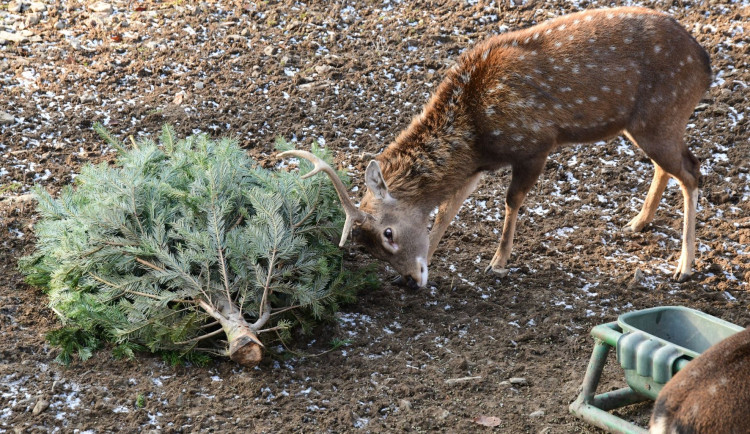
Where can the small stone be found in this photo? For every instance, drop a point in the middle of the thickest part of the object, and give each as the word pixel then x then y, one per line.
pixel 270 50
pixel 179 97
pixel 538 413
pixel 33 19
pixel 40 406
pixel 101 8
pixel 13 37
pixel 199 85
pixel 322 69
pixel 7 119
pixel 15 7
pixel 59 25
pixel 87 97
pixel 38 7
pixel 245 32
pixel 637 279
pixel 518 381
pixel 57 386
pixel 404 404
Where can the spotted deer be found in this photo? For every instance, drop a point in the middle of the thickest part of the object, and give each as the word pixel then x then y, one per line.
pixel 513 99
pixel 711 394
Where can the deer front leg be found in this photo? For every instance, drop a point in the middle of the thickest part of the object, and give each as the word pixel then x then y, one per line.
pixel 523 177
pixel 447 212
pixel 655 192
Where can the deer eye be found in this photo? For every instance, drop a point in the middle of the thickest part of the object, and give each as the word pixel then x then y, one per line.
pixel 388 234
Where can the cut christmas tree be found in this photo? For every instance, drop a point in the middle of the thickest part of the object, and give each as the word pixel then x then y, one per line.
pixel 189 247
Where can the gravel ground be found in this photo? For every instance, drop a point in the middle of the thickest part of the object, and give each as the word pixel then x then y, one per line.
pixel 351 76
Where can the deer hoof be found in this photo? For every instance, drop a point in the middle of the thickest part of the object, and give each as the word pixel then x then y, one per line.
pixel 500 272
pixel 681 276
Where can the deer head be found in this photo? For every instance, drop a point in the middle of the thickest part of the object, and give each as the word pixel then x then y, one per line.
pixel 387 228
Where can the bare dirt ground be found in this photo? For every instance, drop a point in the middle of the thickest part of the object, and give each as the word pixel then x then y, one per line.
pixel 351 75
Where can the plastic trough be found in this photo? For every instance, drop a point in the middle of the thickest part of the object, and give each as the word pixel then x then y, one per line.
pixel 651 346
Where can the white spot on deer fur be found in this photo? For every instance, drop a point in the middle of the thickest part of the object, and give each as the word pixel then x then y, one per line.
pixel 511 124
pixel 627 40
pixel 571 37
pixel 497 133
pixel 587 18
pixel 593 98
pixel 590 66
pixel 618 91
pixel 536 36
pixel 562 27
pixel 564 89
pixel 682 63
pixel 690 59
pixel 526 41
pixel 610 16
pixel 486 54
pixel 612 48
pixel 521 57
pixel 548 31
pixel 533 53
pixel 558 44
pixel 579 101
pixel 592 40
pixel 558 106
pixel 657 48
pixel 576 22
pixel 489 111
pixel 575 70
pixel 605 88
pixel 517 137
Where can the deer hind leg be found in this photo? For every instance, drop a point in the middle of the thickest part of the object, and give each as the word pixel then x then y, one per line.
pixel 670 155
pixel 448 210
pixel 523 177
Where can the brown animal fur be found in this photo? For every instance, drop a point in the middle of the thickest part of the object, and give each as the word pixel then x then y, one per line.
pixel 711 394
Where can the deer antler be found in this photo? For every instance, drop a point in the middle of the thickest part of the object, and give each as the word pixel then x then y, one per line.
pixel 353 214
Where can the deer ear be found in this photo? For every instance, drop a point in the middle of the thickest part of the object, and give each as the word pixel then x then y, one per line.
pixel 375 182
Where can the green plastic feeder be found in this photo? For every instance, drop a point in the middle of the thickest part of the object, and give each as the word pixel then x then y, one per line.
pixel 651 346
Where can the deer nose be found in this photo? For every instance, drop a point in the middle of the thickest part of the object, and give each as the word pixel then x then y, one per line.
pixel 411 283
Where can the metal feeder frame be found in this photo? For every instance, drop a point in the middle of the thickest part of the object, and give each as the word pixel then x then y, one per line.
pixel 651 345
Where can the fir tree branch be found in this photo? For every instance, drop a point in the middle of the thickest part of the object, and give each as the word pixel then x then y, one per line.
pixel 222 262
pixel 272 329
pixel 142 294
pixel 201 337
pixel 312 210
pixel 284 309
pixel 148 264
pixel 267 287
pixel 135 212
pixel 236 223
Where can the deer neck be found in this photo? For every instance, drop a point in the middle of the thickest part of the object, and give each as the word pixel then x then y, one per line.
pixel 427 163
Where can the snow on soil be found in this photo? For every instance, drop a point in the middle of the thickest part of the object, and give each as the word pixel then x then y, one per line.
pixel 40 126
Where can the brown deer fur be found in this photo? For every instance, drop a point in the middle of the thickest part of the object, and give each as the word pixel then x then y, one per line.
pixel 516 97
pixel 711 394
